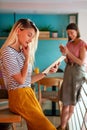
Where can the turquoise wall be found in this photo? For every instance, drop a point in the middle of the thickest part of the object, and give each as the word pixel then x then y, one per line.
pixel 6 20
pixel 58 22
pixel 48 50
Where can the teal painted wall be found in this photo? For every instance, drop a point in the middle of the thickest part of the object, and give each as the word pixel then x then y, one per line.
pixel 48 50
pixel 6 20
pixel 58 22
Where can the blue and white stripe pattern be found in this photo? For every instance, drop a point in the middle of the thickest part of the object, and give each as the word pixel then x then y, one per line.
pixel 11 63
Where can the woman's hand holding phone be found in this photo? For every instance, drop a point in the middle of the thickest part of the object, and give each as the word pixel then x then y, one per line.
pixel 63 49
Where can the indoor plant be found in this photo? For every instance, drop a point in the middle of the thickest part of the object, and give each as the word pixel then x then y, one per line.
pixel 54 33
pixel 45 31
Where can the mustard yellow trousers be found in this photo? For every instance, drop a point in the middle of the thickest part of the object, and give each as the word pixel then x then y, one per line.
pixel 24 102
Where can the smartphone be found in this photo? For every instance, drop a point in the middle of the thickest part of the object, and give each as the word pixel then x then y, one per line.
pixel 61 46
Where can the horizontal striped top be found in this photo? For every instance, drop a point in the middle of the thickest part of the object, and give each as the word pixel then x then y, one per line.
pixel 11 63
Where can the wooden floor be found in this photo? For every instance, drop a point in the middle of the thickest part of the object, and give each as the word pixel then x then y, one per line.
pixel 54 119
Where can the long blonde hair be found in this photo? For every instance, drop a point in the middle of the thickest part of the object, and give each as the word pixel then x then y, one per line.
pixel 12 38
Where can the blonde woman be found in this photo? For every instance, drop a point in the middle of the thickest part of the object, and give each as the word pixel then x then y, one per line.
pixel 17 58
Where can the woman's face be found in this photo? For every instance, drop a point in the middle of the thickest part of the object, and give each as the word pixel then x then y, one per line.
pixel 72 34
pixel 25 36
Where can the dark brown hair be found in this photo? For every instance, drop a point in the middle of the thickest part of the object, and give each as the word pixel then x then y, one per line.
pixel 73 26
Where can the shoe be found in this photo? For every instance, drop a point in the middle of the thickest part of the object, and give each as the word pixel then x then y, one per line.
pixel 59 128
pixel 67 127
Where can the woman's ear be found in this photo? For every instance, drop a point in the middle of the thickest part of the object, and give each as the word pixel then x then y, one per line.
pixel 18 30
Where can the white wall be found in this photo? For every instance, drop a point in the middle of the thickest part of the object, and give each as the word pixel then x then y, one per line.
pixel 82 23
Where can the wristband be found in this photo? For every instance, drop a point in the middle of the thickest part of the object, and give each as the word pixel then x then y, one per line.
pixel 45 74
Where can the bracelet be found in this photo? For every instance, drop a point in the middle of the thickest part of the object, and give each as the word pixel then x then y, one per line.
pixel 45 74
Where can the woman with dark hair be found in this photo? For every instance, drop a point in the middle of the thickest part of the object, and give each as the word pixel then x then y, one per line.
pixel 16 60
pixel 74 74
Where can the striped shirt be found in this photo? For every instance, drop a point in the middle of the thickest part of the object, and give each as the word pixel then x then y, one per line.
pixel 11 63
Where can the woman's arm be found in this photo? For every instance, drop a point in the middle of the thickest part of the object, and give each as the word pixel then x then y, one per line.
pixel 37 77
pixel 81 58
pixel 20 77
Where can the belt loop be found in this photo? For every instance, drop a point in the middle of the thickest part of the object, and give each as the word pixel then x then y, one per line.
pixel 71 64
